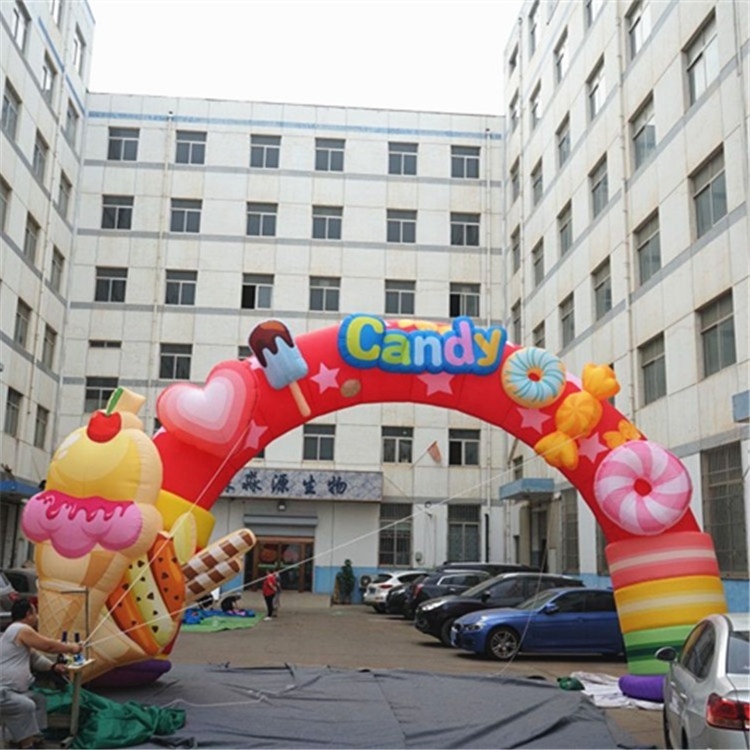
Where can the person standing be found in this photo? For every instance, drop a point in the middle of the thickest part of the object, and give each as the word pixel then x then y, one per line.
pixel 24 711
pixel 277 595
pixel 269 589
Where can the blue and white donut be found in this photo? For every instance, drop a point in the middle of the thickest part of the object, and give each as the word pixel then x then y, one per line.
pixel 532 377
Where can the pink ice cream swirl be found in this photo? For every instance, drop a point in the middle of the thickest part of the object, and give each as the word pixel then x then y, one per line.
pixel 75 525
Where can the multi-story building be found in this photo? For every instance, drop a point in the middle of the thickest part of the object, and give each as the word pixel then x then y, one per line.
pixel 605 219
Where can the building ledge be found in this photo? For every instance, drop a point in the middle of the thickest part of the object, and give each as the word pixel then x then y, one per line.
pixel 528 488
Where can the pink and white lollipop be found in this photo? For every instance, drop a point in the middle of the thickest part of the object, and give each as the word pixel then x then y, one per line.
pixel 642 488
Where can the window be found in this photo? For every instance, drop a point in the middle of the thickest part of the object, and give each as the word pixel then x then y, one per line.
pixel 40 427
pixel 599 187
pixel 19 25
pixel 601 281
pixel 561 57
pixel 653 369
pixel 724 514
pixel 567 321
pixel 513 60
pixel 643 133
pixel 79 51
pixel 570 562
pixel 117 211
pixel 463 447
pixel 48 346
pixel 464 229
pixel 515 112
pixel 174 361
pixel 517 468
pixel 261 219
pixel 639 26
pixel 402 158
pixel 515 180
pixel 110 284
pixel 329 154
pixel 191 147
pixel 327 222
pixel 49 77
pixel 185 216
pixel 56 271
pixel 702 59
pixel 463 532
pixel 533 27
pixel 30 238
pixel 244 352
pixel 97 393
pixel 55 10
pixel 648 248
pixel 265 151
pixel 515 249
pixel 401 226
pixel 23 321
pixel 12 412
pixel 324 293
pixel 63 195
pixel 465 162
pixel 180 287
pixel 515 322
pixel 537 262
pixel 591 10
pixel 5 192
pixel 535 106
pixel 709 194
pixel 539 336
pixel 596 90
pixel 717 334
pixel 537 183
pixel 317 442
pixel 399 297
pixel 39 157
pixel 257 291
pixel 565 229
pixel 123 144
pixel 464 300
pixel 397 444
pixel 104 344
pixel 11 109
pixel 72 118
pixel 602 567
pixel 394 538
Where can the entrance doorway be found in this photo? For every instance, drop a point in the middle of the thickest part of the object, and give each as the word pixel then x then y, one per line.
pixel 292 556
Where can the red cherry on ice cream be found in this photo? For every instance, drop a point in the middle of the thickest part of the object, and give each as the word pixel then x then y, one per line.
pixel 103 427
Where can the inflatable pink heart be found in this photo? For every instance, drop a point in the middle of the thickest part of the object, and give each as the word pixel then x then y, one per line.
pixel 213 417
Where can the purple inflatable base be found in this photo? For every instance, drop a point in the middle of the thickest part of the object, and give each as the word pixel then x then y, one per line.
pixel 133 675
pixel 643 687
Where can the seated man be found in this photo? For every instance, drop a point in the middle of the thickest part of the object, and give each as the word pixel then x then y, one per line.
pixel 22 710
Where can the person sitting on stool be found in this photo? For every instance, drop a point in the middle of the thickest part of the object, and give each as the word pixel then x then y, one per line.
pixel 24 711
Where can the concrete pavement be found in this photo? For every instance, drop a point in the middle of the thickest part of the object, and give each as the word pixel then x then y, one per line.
pixel 311 632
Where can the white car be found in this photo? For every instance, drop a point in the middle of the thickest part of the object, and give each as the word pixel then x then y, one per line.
pixel 382 583
pixel 707 689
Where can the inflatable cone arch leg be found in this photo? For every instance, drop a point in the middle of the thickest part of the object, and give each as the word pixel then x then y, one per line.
pixel 662 588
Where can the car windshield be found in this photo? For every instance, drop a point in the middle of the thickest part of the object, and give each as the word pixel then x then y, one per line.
pixel 738 652
pixel 538 600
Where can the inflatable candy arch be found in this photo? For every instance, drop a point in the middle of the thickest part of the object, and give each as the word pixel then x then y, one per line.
pixel 664 569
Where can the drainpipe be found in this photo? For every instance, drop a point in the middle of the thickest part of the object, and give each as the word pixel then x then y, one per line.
pixel 489 215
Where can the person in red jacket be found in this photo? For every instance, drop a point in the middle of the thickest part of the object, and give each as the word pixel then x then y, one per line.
pixel 270 587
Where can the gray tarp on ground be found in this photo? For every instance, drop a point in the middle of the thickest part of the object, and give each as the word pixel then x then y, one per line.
pixel 319 707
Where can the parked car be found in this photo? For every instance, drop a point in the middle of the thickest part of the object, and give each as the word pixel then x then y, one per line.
pixel 7 593
pixel 570 620
pixel 382 583
pixel 494 569
pixel 444 583
pixel 436 617
pixel 395 599
pixel 707 689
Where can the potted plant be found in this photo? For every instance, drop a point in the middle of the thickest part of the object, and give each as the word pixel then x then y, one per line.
pixel 345 582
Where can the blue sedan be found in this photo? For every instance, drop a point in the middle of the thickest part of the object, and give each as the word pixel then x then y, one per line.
pixel 562 620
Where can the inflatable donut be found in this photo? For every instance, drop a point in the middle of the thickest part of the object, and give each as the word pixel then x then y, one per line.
pixel 532 377
pixel 643 488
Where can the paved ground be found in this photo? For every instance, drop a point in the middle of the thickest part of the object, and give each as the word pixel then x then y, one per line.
pixel 311 632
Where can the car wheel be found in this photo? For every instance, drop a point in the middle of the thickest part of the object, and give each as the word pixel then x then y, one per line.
pixel 665 724
pixel 445 632
pixel 379 608
pixel 503 643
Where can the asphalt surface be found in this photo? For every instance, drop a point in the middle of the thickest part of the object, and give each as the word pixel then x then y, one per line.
pixel 311 632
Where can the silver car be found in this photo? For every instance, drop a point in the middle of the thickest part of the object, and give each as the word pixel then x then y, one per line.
pixel 707 689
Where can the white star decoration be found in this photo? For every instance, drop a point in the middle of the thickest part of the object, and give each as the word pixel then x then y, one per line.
pixel 254 434
pixel 326 378
pixel 437 383
pixel 533 418
pixel 591 447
